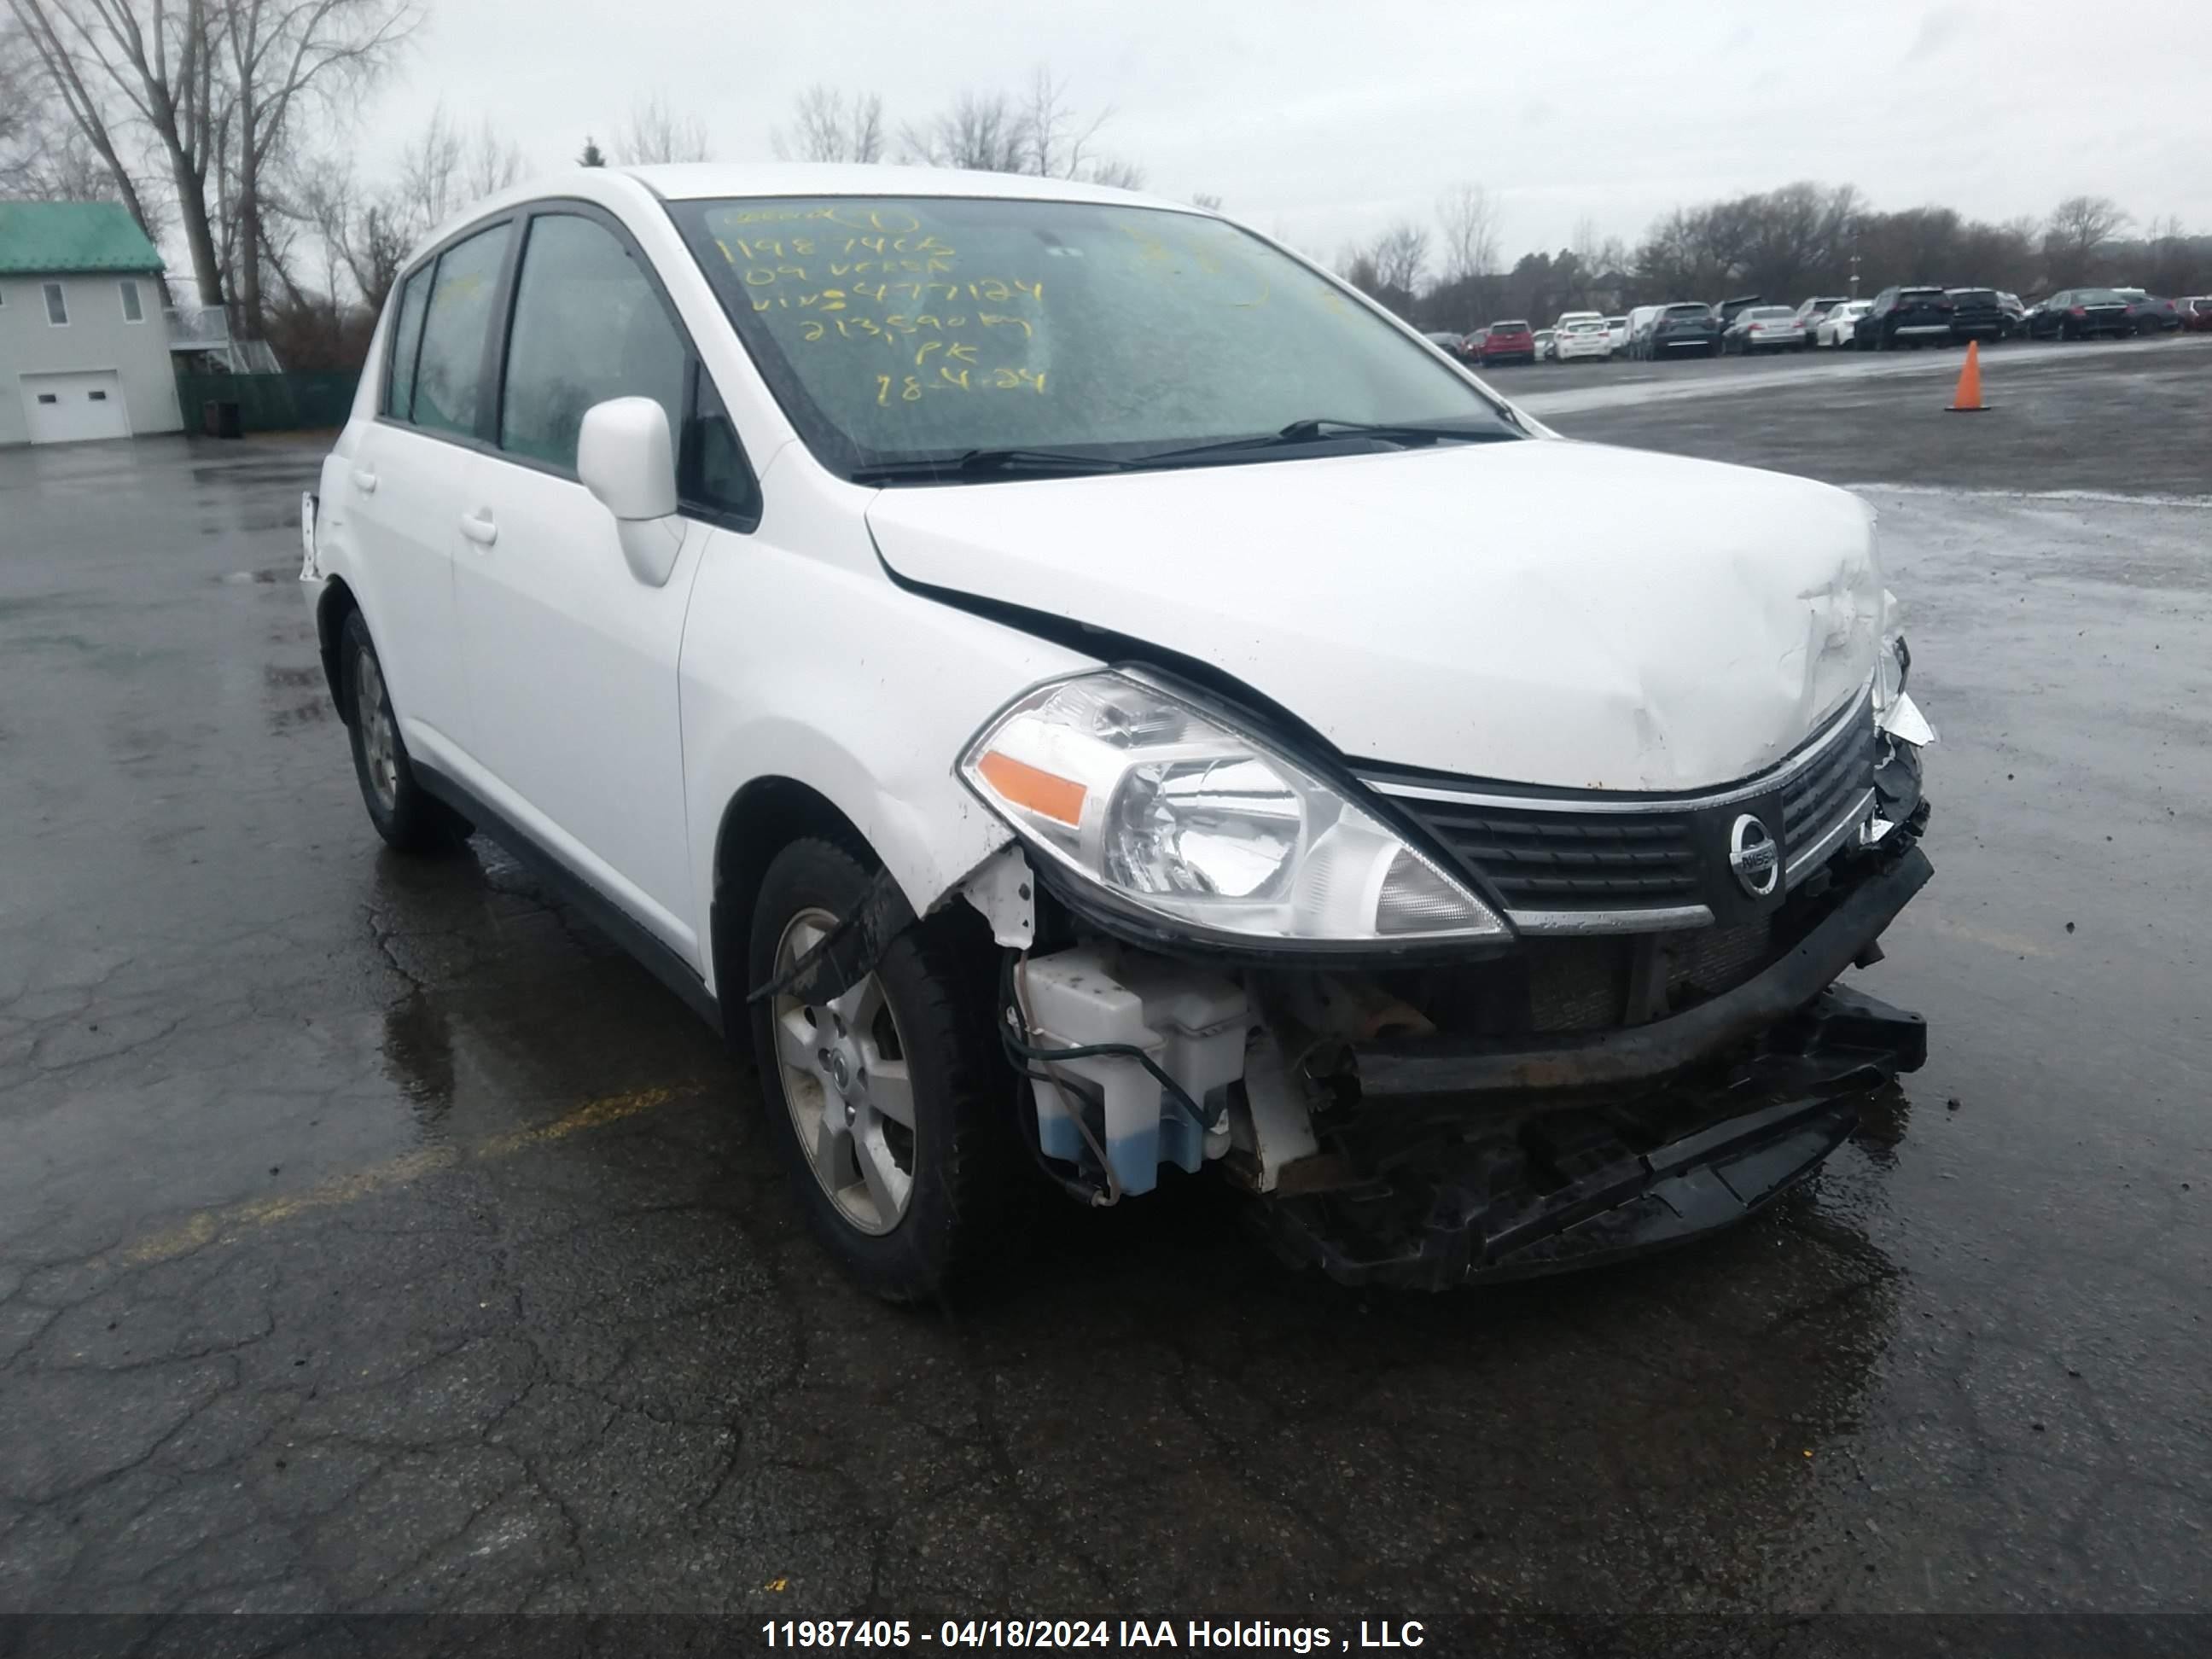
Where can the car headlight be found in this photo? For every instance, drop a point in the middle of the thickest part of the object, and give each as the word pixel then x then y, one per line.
pixel 1172 812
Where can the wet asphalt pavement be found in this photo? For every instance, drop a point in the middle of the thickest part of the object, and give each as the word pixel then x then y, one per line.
pixel 375 1236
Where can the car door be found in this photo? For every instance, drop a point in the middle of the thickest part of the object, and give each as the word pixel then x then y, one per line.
pixel 404 481
pixel 572 659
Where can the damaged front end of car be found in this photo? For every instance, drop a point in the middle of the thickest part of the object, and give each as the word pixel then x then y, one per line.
pixel 1442 1030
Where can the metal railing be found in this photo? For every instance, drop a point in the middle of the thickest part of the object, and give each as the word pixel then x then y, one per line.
pixel 197 328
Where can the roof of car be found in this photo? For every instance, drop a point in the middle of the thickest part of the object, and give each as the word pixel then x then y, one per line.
pixel 695 180
pixel 60 237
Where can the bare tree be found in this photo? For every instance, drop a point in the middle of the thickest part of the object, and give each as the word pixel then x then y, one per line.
pixel 656 134
pixel 824 127
pixel 1402 257
pixel 1470 220
pixel 2077 227
pixel 95 58
pixel 1041 133
pixel 428 191
pixel 1059 138
pixel 1115 171
pixel 1207 199
pixel 44 154
pixel 489 163
pixel 284 56
pixel 982 132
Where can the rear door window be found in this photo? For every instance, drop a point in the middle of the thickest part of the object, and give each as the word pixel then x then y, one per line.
pixel 449 389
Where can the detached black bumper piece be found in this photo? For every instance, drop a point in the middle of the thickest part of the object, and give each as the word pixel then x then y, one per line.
pixel 1664 1131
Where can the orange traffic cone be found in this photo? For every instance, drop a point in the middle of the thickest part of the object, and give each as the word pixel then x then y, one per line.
pixel 1967 399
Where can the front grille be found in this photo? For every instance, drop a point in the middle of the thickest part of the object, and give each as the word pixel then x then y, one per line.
pixel 1596 863
pixel 1547 860
pixel 1813 799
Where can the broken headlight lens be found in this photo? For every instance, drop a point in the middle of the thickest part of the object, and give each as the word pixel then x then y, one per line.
pixel 1175 812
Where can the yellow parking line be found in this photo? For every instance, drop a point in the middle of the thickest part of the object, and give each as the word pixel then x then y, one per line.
pixel 204 1227
pixel 1995 938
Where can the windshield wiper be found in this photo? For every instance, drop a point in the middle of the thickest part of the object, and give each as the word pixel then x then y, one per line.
pixel 987 462
pixel 1321 429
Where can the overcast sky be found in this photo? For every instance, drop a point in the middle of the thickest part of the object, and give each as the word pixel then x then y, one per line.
pixel 1326 121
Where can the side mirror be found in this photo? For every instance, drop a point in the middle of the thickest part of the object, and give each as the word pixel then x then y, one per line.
pixel 625 457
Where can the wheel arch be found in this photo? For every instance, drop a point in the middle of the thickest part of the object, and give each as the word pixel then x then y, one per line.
pixel 332 610
pixel 763 818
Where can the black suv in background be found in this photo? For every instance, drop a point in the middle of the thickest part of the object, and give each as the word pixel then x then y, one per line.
pixel 1685 327
pixel 1905 317
pixel 2082 314
pixel 1978 313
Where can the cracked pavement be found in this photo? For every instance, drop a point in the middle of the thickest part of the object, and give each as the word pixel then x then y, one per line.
pixel 375 1237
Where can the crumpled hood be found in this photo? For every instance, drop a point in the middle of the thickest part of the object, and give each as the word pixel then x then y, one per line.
pixel 1542 611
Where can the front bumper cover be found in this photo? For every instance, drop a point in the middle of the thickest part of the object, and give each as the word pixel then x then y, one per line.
pixel 1673 1142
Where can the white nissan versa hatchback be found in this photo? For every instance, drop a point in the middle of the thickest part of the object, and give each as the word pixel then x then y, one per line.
pixel 1015 655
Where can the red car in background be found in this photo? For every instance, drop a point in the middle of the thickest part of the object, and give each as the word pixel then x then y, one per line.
pixel 2196 314
pixel 1505 343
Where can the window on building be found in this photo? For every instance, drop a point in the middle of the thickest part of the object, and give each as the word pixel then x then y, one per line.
pixel 133 309
pixel 56 305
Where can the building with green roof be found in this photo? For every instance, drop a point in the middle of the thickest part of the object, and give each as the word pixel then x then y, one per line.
pixel 84 347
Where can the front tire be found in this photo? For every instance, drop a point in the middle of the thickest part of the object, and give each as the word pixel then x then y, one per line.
pixel 407 817
pixel 891 1106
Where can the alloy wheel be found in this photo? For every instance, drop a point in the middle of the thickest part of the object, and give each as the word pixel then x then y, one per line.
pixel 847 1085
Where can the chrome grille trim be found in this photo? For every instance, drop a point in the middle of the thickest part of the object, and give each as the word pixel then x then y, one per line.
pixel 1860 707
pixel 1832 837
pixel 1576 923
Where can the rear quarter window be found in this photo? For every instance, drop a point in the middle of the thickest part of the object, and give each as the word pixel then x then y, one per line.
pixel 406 337
pixel 449 390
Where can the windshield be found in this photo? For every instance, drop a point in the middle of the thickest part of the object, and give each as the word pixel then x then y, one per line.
pixel 1770 313
pixel 924 328
pixel 1591 327
pixel 1689 311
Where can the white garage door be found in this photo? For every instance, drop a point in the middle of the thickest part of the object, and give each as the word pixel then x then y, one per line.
pixel 65 408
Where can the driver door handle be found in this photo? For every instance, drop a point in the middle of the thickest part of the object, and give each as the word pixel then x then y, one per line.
pixel 479 528
pixel 364 481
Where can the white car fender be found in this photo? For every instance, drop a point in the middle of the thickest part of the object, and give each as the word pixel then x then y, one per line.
pixel 815 666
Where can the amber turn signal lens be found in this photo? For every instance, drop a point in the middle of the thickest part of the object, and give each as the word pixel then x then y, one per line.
pixel 1046 794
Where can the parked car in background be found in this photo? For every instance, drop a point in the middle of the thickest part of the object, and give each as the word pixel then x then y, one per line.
pixel 1905 317
pixel 1640 320
pixel 1508 342
pixel 1763 328
pixel 2015 313
pixel 1810 312
pixel 2196 312
pixel 1726 311
pixel 1616 330
pixel 1978 313
pixel 925 758
pixel 1585 337
pixel 1544 337
pixel 2082 314
pixel 2149 313
pixel 1685 328
pixel 1837 324
pixel 1560 323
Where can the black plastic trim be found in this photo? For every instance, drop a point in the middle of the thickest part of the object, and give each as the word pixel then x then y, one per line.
pixel 1649 1054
